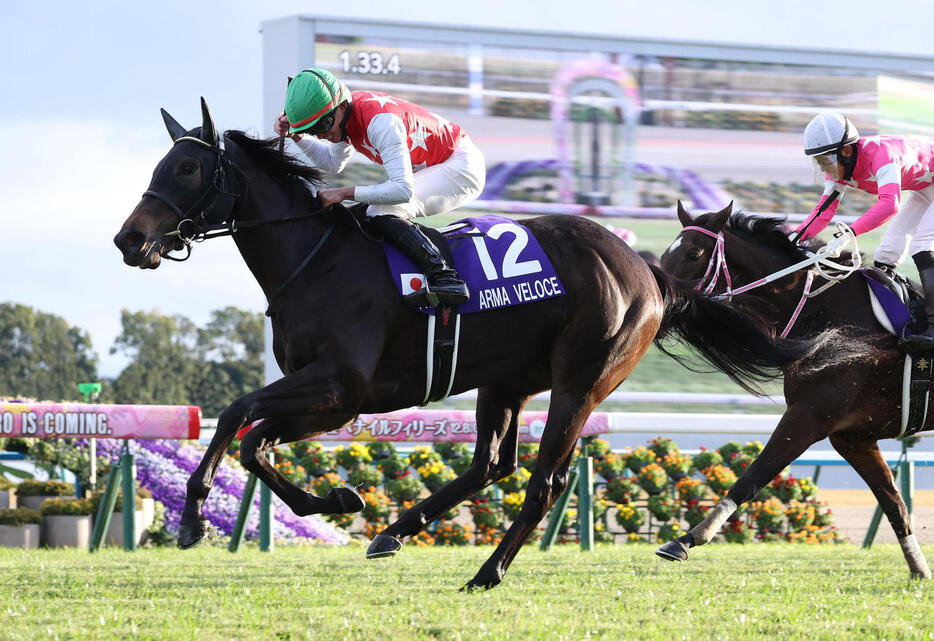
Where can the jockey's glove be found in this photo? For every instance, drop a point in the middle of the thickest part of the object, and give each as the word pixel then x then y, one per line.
pixel 836 245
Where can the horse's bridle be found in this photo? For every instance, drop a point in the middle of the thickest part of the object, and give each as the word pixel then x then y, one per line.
pixel 816 262
pixel 192 223
pixel 193 226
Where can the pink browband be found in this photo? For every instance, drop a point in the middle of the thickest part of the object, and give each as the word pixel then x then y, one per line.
pixel 717 264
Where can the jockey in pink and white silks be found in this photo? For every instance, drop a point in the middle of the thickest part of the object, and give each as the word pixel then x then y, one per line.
pixel 887 166
pixel 431 164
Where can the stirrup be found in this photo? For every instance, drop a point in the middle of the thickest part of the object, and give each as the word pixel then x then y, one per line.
pixel 423 297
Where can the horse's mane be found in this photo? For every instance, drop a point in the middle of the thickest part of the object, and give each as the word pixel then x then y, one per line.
pixel 768 232
pixel 282 167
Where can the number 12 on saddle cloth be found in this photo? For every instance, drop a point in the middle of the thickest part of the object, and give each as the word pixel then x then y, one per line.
pixel 501 262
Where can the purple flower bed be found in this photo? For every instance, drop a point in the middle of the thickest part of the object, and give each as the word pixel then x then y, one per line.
pixel 163 468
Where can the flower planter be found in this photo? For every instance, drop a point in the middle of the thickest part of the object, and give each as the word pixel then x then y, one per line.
pixel 19 536
pixel 33 502
pixel 7 499
pixel 114 535
pixel 61 531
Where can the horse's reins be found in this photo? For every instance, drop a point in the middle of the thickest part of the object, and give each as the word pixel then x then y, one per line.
pixel 193 229
pixel 816 261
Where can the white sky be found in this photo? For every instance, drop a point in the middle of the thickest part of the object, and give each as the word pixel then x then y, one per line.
pixel 80 132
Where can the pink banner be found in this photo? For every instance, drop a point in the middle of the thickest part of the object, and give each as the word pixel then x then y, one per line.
pixel 443 425
pixel 79 420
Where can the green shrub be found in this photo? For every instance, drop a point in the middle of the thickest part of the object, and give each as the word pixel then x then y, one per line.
pixel 4 483
pixel 52 487
pixel 66 507
pixel 98 496
pixel 20 516
pixel 19 444
pixel 404 488
pixel 450 450
pixel 365 475
pixel 393 466
pixel 381 449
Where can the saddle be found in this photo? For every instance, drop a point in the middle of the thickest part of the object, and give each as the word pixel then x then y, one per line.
pixel 899 307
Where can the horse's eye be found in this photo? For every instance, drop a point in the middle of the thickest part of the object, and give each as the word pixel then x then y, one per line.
pixel 695 253
pixel 187 168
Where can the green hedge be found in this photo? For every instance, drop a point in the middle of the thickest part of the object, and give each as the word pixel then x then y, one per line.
pixel 20 516
pixel 66 507
pixel 31 487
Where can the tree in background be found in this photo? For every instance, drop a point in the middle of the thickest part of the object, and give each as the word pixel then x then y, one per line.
pixel 41 356
pixel 173 362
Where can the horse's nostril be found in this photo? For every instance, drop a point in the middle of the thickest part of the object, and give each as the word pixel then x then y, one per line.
pixel 129 241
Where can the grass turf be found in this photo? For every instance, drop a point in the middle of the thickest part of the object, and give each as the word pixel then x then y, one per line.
pixel 763 591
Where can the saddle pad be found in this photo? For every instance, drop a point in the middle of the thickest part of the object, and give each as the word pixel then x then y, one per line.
pixel 501 262
pixel 894 309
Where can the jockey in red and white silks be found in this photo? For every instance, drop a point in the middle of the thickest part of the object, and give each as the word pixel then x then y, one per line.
pixel 432 165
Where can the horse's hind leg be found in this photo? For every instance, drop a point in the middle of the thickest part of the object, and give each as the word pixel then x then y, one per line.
pixel 796 431
pixel 494 458
pixel 566 416
pixel 865 457
pixel 272 432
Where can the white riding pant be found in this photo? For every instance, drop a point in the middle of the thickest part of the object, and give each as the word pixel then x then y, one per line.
pixel 911 230
pixel 443 187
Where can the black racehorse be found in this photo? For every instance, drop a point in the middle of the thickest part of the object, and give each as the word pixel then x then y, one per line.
pixel 348 345
pixel 849 390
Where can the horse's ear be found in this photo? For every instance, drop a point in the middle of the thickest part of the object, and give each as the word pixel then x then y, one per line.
pixel 719 219
pixel 176 131
pixel 208 132
pixel 684 216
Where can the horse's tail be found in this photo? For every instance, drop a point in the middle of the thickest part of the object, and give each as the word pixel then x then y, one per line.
pixel 741 344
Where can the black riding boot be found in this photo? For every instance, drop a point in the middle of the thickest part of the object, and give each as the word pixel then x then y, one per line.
pixel 444 286
pixel 925 339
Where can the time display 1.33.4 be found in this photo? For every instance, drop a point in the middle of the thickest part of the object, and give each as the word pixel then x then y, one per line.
pixel 369 62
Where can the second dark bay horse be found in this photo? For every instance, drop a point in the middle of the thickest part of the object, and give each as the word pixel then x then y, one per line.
pixel 849 389
pixel 348 345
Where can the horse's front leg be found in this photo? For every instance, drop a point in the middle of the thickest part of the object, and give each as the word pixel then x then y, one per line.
pixel 309 391
pixel 273 431
pixel 797 430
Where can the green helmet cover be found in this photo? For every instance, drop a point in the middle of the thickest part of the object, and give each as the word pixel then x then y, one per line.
pixel 312 94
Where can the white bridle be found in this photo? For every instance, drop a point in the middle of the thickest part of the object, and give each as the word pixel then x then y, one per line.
pixel 816 261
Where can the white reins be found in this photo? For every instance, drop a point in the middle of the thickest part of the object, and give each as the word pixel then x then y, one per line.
pixel 816 261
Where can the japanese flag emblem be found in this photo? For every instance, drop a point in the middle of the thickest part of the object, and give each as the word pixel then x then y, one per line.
pixel 412 282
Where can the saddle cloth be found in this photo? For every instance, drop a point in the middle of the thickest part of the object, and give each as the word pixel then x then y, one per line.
pixel 896 309
pixel 501 262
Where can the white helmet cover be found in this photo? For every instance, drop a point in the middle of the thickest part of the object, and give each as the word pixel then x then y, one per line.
pixel 828 132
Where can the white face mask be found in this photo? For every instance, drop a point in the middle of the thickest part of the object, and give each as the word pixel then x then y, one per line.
pixel 826 165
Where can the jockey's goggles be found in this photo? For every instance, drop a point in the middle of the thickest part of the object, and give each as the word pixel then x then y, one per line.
pixel 826 165
pixel 323 124
pixel 826 161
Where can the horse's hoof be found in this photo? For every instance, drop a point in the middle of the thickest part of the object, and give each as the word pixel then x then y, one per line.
pixel 191 534
pixel 673 551
pixel 383 545
pixel 477 584
pixel 347 498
